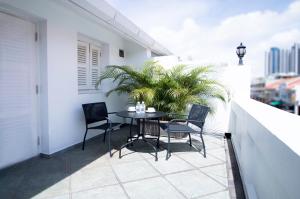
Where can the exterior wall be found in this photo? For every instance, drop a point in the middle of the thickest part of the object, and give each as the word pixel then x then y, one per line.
pixel 235 78
pixel 136 55
pixel 266 144
pixel 62 120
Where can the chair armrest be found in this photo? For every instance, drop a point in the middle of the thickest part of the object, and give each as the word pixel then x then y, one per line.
pixel 177 114
pixel 109 122
pixel 178 120
pixel 196 121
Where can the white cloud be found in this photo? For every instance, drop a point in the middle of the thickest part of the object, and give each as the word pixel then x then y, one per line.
pixel 259 31
pixel 166 13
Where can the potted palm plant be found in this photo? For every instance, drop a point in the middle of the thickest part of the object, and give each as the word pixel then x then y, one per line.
pixel 169 91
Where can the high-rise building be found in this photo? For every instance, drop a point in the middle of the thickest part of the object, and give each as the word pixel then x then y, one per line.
pixel 295 58
pixel 267 72
pixel 274 60
pixel 282 61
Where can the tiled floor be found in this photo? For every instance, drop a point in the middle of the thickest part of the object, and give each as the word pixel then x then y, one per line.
pixel 93 174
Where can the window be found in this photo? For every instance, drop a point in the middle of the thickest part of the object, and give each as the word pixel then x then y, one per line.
pixel 88 60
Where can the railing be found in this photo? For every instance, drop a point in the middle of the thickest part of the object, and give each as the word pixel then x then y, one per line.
pixel 266 142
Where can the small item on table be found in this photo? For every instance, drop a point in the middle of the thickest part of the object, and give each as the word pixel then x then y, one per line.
pixel 138 107
pixel 131 109
pixel 150 110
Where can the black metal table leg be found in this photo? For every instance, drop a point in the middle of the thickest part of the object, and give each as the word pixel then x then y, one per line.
pixel 141 133
pixel 145 140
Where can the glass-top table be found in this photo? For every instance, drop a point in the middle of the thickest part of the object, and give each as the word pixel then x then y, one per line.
pixel 141 117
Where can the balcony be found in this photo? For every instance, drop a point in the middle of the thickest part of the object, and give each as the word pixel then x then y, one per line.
pixel 91 173
pixel 264 142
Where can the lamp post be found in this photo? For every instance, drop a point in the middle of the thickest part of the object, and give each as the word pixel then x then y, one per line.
pixel 241 51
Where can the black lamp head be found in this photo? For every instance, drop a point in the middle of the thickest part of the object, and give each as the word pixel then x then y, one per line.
pixel 241 51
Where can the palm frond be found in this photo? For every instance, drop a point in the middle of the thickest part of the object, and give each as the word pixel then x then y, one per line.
pixel 167 90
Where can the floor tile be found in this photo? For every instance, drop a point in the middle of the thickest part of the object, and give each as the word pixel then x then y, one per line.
pixel 153 188
pixel 92 173
pixel 79 158
pixel 215 140
pixel 134 170
pixel 183 147
pixel 212 145
pixel 65 196
pixel 194 183
pixel 57 190
pixel 47 176
pixel 218 172
pixel 107 192
pixel 92 177
pixel 173 164
pixel 11 177
pixel 128 155
pixel 218 153
pixel 197 159
pixel 220 195
pixel 161 155
pixel 99 162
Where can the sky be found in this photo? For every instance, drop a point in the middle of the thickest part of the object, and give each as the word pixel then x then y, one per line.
pixel 209 31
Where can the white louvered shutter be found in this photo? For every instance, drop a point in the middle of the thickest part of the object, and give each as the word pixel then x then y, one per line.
pixel 83 65
pixel 94 65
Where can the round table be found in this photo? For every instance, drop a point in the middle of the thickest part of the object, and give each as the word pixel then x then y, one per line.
pixel 134 115
pixel 140 117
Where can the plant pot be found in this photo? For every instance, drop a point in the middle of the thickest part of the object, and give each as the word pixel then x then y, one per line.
pixel 152 129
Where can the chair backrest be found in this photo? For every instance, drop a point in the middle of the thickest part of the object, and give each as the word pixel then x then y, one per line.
pixel 199 113
pixel 94 112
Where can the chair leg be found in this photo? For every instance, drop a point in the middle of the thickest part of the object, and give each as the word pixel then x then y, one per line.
pixel 168 148
pixel 130 129
pixel 109 144
pixel 158 136
pixel 104 135
pixel 204 150
pixel 130 132
pixel 83 143
pixel 190 139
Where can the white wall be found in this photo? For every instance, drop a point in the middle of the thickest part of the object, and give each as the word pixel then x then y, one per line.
pixel 61 112
pixel 266 144
pixel 167 61
pixel 236 80
pixel 136 55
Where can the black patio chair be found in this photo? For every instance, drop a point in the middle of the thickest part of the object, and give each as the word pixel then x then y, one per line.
pixel 196 117
pixel 97 112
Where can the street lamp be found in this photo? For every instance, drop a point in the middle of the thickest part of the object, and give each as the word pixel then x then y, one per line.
pixel 241 51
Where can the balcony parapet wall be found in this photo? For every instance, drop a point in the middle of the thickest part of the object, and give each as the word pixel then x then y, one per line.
pixel 266 141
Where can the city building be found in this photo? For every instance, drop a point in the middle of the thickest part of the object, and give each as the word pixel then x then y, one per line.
pixel 282 61
pixel 275 59
pixel 278 90
pixel 258 89
pixel 295 58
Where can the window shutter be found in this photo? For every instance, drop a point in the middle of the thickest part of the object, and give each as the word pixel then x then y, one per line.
pixel 94 65
pixel 83 64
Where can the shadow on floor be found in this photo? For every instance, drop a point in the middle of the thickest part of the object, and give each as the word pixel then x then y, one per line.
pixel 31 177
pixel 28 178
